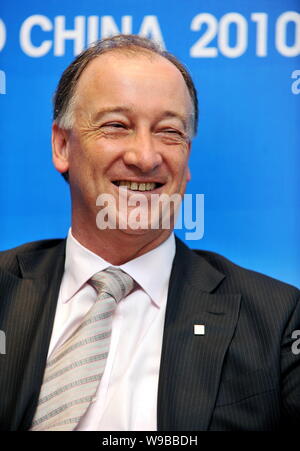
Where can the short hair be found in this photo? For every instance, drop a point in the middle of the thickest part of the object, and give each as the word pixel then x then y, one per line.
pixel 64 97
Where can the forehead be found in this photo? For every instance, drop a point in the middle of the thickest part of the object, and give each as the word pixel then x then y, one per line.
pixel 141 78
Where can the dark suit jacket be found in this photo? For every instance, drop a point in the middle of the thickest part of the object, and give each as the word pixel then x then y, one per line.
pixel 240 375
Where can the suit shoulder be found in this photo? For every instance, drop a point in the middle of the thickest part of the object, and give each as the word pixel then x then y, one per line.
pixel 242 278
pixel 8 257
pixel 33 246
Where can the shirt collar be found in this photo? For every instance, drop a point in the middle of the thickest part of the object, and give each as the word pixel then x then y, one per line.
pixel 152 270
pixel 81 264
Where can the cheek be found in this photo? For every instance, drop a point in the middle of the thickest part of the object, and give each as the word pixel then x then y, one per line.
pixel 81 167
pixel 179 163
pixel 82 155
pixel 182 173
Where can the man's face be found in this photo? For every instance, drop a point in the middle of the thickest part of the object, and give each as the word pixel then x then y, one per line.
pixel 132 126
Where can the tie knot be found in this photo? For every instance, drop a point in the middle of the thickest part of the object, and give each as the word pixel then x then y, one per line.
pixel 114 282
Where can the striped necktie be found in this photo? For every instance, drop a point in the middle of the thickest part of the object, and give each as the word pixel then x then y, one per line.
pixel 75 368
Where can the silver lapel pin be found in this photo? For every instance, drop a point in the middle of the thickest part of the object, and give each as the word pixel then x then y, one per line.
pixel 199 329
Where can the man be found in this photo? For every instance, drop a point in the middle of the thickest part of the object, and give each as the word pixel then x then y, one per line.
pixel 197 343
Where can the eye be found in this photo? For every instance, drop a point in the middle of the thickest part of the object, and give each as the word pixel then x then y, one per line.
pixel 114 125
pixel 171 131
pixel 115 129
pixel 171 136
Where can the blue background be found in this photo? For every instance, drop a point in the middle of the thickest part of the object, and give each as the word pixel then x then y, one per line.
pixel 245 158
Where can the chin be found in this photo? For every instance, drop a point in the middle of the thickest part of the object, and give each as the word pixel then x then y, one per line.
pixel 137 232
pixel 136 229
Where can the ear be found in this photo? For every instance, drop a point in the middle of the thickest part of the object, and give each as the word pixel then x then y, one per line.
pixel 60 148
pixel 188 172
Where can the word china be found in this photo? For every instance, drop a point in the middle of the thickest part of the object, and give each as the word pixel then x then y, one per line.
pixel 82 32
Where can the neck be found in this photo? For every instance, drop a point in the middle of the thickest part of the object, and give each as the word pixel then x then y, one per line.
pixel 118 246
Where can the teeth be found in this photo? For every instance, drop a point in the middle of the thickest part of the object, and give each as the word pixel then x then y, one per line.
pixel 134 186
pixel 124 184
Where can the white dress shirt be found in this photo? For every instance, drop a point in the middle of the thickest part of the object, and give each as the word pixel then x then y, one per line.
pixel 126 399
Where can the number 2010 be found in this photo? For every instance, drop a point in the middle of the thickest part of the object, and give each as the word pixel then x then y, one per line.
pixel 221 30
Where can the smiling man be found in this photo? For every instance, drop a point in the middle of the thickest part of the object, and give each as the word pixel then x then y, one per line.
pixel 125 328
pixel 132 123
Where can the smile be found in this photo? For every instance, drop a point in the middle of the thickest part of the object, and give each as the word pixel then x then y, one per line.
pixel 136 186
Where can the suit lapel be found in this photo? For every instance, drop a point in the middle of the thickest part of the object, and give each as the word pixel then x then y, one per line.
pixel 191 365
pixel 28 310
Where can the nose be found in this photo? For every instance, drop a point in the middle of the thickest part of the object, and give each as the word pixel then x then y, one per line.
pixel 143 152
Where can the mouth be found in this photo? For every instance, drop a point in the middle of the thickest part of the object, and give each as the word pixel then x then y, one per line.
pixel 138 186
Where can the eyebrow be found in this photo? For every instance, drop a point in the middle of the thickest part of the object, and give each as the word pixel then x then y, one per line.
pixel 118 109
pixel 172 114
pixel 123 109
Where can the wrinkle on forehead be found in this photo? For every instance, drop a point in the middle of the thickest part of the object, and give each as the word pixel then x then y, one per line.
pixel 108 67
